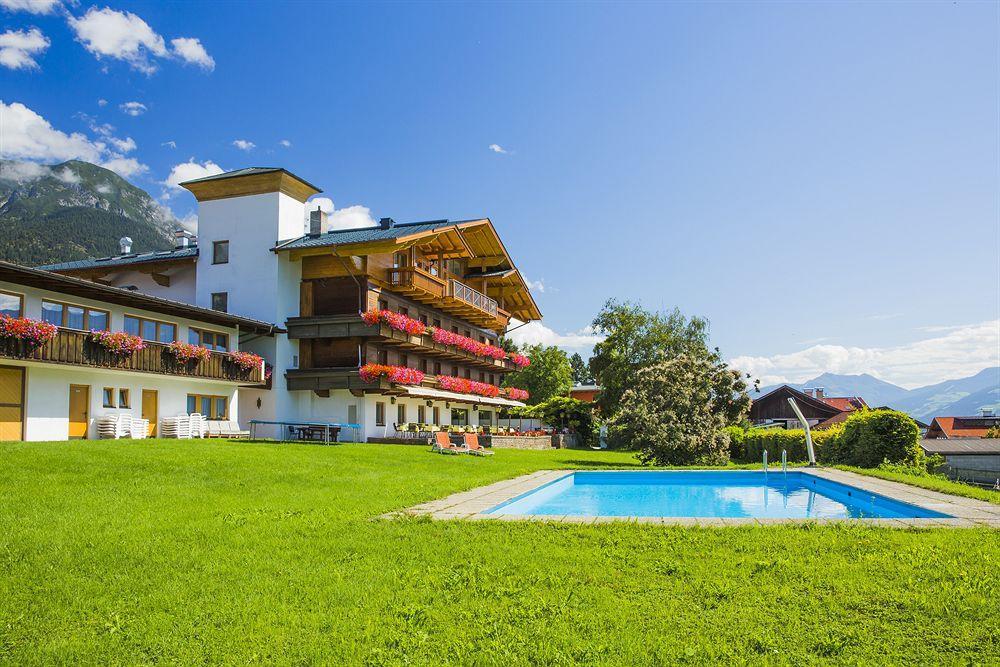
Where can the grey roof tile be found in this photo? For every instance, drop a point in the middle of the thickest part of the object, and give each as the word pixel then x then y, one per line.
pixel 366 234
pixel 123 260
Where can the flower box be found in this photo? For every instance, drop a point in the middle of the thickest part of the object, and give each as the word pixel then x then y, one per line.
pixel 118 343
pixel 31 333
pixel 186 353
pixel 395 374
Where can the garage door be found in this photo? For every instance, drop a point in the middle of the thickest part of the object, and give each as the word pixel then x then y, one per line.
pixel 11 403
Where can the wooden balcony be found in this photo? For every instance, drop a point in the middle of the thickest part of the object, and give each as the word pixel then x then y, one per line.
pixel 325 379
pixel 450 295
pixel 351 326
pixel 74 348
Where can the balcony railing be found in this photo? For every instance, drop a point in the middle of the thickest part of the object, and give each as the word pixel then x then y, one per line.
pixel 75 348
pixel 463 292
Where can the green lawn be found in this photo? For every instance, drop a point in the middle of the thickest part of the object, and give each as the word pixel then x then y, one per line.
pixel 192 552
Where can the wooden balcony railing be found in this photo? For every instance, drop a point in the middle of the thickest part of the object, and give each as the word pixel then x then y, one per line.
pixel 411 278
pixel 450 294
pixel 75 348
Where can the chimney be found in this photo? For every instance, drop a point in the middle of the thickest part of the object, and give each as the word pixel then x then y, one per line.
pixel 318 222
pixel 125 244
pixel 807 391
pixel 819 392
pixel 183 238
pixel 386 223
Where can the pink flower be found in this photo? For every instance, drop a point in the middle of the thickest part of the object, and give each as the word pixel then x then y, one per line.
pixel 464 386
pixel 520 360
pixel 248 361
pixel 395 374
pixel 32 332
pixel 185 352
pixel 517 394
pixel 119 342
pixel 397 321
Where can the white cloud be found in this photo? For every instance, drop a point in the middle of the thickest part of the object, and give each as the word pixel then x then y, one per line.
pixel 26 135
pixel 125 166
pixel 190 50
pixel 22 172
pixel 497 148
pixel 957 353
pixel 108 33
pixel 30 6
pixel 244 145
pixel 133 108
pixel 536 333
pixel 352 217
pixel 190 170
pixel 125 145
pixel 102 102
pixel 536 285
pixel 103 188
pixel 169 144
pixel 286 143
pixel 67 175
pixel 18 48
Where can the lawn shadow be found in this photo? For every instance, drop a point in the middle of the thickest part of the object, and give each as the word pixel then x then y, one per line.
pixel 590 463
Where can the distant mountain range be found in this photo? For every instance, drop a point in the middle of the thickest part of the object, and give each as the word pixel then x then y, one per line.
pixel 951 398
pixel 74 210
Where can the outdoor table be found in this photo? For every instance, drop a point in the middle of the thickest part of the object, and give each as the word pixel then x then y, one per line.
pixel 328 429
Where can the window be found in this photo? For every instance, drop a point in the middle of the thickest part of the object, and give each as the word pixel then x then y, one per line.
pixel 383 357
pixel 454 371
pixel 399 260
pixel 383 304
pixel 404 311
pixel 437 368
pixel 220 252
pixel 437 323
pixel 421 414
pixel 404 360
pixel 482 339
pixel 454 330
pixel 401 413
pixel 468 334
pixel 492 379
pixel 220 301
pixel 482 376
pixel 380 414
pixel 74 317
pixel 459 416
pixel 423 365
pixel 123 399
pixel 423 320
pixel 212 407
pixel 213 340
pixel 485 418
pixel 437 415
pixel 11 305
pixel 160 332
pixel 109 397
pixel 468 374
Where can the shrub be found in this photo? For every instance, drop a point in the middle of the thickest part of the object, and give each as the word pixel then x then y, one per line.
pixel 566 412
pixel 872 437
pixel 752 443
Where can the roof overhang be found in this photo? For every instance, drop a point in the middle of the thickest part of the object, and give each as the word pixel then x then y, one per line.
pixel 47 280
pixel 440 394
pixel 239 184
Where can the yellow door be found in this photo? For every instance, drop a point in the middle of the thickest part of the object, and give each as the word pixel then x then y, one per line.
pixel 11 403
pixel 149 400
pixel 79 410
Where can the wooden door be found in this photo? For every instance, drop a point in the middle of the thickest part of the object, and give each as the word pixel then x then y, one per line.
pixel 79 410
pixel 11 403
pixel 149 410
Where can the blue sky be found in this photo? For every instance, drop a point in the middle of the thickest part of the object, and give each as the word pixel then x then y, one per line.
pixel 819 180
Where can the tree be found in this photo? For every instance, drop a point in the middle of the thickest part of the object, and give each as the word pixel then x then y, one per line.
pixel 581 372
pixel 565 412
pixel 548 375
pixel 677 411
pixel 634 338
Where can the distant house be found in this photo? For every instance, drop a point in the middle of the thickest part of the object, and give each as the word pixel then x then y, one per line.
pixel 821 411
pixel 585 392
pixel 970 459
pixel 950 428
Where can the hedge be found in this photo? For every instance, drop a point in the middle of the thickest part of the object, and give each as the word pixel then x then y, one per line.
pixel 867 439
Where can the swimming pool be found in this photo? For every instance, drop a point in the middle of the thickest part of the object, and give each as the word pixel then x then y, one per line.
pixel 706 493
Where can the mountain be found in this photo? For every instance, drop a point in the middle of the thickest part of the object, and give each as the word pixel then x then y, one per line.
pixel 951 398
pixel 74 210
pixel 875 392
pixel 954 398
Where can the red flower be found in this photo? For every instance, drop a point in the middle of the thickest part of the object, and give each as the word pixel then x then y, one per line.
pixel 33 332
pixel 464 386
pixel 520 360
pixel 185 352
pixel 471 346
pixel 395 374
pixel 119 342
pixel 397 321
pixel 516 394
pixel 248 361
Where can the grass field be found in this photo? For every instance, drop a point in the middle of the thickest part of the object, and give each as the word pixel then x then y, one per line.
pixel 191 552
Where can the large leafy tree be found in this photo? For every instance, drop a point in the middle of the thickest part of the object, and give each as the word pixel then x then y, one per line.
pixel 548 375
pixel 634 339
pixel 676 410
pixel 581 372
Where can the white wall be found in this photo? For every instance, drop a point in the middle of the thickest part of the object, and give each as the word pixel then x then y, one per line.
pixel 47 396
pixel 182 283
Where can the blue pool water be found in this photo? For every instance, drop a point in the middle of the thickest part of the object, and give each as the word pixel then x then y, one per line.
pixel 706 493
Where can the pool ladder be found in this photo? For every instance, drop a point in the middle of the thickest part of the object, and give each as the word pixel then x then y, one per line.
pixel 784 461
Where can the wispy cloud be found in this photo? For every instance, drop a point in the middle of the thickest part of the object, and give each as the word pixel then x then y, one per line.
pixel 19 48
pixel 960 351
pixel 30 6
pixel 190 170
pixel 191 51
pixel 133 108
pixel 244 145
pixel 497 148
pixel 536 333
pixel 285 143
pixel 169 144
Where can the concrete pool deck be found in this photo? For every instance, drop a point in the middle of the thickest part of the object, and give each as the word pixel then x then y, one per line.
pixel 473 504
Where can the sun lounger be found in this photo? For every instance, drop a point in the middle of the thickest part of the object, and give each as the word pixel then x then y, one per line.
pixel 442 445
pixel 472 444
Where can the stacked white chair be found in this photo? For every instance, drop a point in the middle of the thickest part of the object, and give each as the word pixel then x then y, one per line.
pixel 178 426
pixel 140 429
pixel 114 426
pixel 197 425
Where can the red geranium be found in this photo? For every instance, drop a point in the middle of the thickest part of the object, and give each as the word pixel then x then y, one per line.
pixel 520 360
pixel 464 386
pixel 119 342
pixel 470 345
pixel 32 332
pixel 395 374
pixel 248 361
pixel 397 321
pixel 185 352
pixel 516 394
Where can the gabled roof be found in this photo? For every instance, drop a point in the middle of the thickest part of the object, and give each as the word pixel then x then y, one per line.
pixel 801 398
pixel 363 235
pixel 960 427
pixel 847 403
pixel 55 282
pixel 123 260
